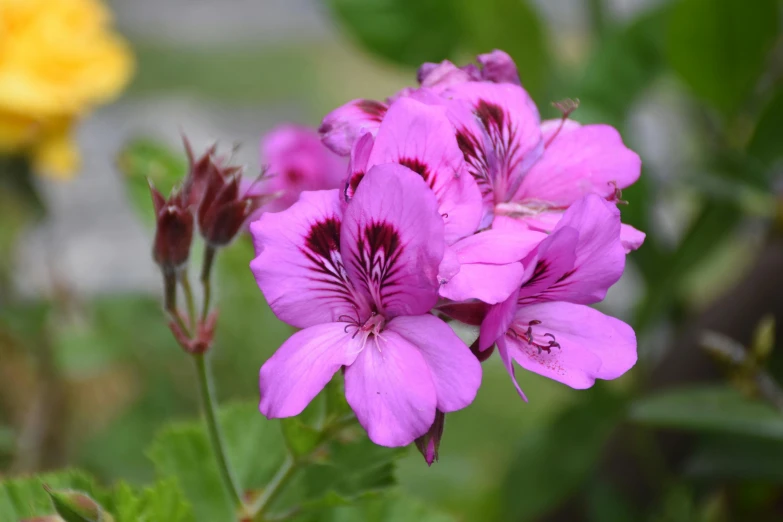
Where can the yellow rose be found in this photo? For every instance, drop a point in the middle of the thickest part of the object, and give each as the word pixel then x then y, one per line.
pixel 58 59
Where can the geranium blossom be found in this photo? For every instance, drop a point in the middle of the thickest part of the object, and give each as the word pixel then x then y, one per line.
pixel 361 279
pixel 526 170
pixel 546 326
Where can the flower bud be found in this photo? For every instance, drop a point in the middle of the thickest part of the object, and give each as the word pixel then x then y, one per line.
pixel 429 443
pixel 224 207
pixel 173 232
pixel 75 506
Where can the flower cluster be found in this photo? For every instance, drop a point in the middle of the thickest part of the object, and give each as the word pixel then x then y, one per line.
pixel 458 203
pixel 59 59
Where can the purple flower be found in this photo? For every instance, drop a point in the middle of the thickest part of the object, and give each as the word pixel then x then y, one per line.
pixel 546 326
pixel 420 137
pixel 360 279
pixel 296 161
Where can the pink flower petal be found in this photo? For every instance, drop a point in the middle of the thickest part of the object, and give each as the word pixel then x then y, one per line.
pixel 631 238
pixel 390 388
pixel 498 319
pixel 504 140
pixel 456 372
pixel 590 231
pixel 344 125
pixel 591 345
pixel 298 264
pixel 297 161
pixel 420 137
pixel 505 357
pixel 580 161
pixel 490 265
pixel 393 241
pixel 498 67
pixel 300 368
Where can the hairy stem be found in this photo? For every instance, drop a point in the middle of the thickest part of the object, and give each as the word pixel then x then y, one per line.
pixel 213 427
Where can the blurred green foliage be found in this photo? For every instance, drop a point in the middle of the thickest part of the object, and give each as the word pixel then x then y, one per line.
pixel 600 455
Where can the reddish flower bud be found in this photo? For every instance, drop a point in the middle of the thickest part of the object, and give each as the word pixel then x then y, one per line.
pixel 225 206
pixel 200 171
pixel 429 443
pixel 173 232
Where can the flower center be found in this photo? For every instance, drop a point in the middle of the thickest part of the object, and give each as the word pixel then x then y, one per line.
pixel 369 329
pixel 543 342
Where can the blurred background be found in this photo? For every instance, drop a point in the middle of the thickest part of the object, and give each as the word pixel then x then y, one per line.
pixel 89 371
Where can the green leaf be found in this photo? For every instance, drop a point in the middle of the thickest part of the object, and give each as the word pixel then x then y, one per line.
pixel 734 457
pixel 605 502
pixel 163 501
pixel 709 408
pixel 765 145
pixel 719 48
pixel 303 432
pixel 408 32
pixel 553 460
pixel 143 159
pixel 26 497
pixel 513 26
pixel 255 449
pixel 384 508
pixel 623 66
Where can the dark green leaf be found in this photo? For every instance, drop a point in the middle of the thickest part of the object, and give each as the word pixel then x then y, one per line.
pixel 733 457
pixel 766 144
pixel 513 26
pixel 720 48
pixel 408 32
pixel 384 508
pixel 143 159
pixel 303 432
pixel 607 503
pixel 709 408
pixel 552 461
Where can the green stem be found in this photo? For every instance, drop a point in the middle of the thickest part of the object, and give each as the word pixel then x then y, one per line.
pixel 215 435
pixel 170 301
pixel 191 303
pixel 274 488
pixel 206 281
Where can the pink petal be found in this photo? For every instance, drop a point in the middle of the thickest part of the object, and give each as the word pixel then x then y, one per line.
pixel 296 161
pixel 579 161
pixel 393 241
pixel 599 254
pixel 357 168
pixel 505 357
pixel 455 371
pixel 390 388
pixel 592 345
pixel 421 137
pixel 490 265
pixel 300 368
pixel 498 67
pixel 507 116
pixel 491 284
pixel 442 75
pixel 344 125
pixel 298 264
pixel 498 319
pixel 631 238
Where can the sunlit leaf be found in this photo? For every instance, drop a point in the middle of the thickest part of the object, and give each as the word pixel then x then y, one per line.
pixel 709 408
pixel 407 32
pixel 720 48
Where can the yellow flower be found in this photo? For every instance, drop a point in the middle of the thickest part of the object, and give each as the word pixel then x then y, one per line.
pixel 58 60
